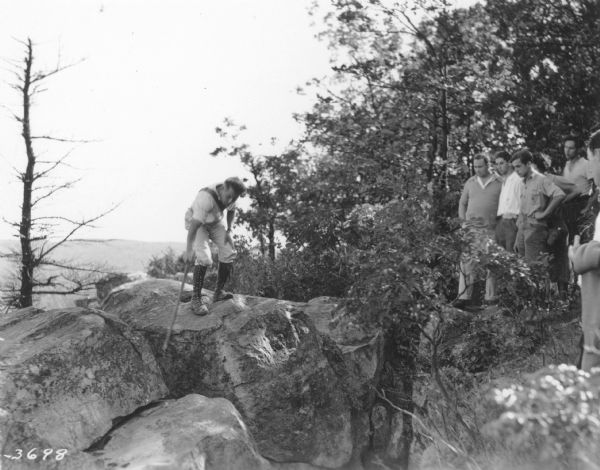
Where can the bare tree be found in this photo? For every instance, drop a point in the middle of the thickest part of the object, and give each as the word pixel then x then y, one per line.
pixel 40 272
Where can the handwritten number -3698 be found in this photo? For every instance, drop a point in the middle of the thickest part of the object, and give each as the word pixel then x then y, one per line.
pixel 33 454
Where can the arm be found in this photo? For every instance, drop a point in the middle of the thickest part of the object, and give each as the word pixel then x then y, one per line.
pixel 556 195
pixel 567 187
pixel 230 219
pixel 552 205
pixel 462 204
pixel 591 199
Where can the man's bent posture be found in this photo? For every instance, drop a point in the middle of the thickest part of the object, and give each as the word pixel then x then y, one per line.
pixel 204 221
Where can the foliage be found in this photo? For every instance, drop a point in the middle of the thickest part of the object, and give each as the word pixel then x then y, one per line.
pixel 554 48
pixel 295 275
pixel 165 266
pixel 418 89
pixel 275 178
pixel 555 413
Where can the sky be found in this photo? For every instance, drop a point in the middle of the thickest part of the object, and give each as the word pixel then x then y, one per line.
pixel 151 81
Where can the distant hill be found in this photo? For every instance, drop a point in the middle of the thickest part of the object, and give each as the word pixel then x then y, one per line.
pixel 126 256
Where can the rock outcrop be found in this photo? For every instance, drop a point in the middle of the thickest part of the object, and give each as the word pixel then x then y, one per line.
pixel 289 382
pixel 192 432
pixel 66 376
pixel 258 383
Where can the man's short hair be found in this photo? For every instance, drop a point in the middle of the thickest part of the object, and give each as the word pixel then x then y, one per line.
pixel 237 184
pixel 523 155
pixel 594 142
pixel 502 154
pixel 481 156
pixel 575 138
pixel 540 163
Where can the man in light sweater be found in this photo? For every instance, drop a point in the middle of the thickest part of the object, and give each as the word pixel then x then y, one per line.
pixel 478 207
pixel 509 203
pixel 586 263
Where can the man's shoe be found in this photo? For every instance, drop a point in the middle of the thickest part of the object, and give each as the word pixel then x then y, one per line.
pixel 198 308
pixel 222 277
pixel 221 295
pixel 462 303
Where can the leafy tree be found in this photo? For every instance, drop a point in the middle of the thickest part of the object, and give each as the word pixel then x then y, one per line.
pixel 273 186
pixel 555 51
pixel 418 89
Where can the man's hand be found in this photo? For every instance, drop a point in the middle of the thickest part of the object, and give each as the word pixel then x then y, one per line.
pixel 228 238
pixel 539 215
pixel 188 256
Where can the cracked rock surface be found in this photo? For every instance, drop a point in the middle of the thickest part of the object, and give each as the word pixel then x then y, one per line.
pixel 264 355
pixel 66 374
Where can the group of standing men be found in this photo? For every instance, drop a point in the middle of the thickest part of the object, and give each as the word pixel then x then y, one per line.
pixel 527 210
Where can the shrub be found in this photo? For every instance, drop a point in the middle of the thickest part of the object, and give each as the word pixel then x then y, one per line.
pixel 555 414
pixel 166 265
pixel 295 274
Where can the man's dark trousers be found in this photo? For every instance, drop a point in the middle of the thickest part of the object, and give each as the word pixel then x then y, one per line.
pixel 577 222
pixel 506 233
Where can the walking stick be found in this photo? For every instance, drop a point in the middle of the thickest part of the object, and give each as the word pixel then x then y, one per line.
pixel 185 273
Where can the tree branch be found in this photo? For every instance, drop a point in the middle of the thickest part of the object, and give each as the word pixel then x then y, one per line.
pixel 54 190
pixel 59 139
pixel 381 395
pixel 58 162
pixel 79 225
pixel 43 75
pixel 58 264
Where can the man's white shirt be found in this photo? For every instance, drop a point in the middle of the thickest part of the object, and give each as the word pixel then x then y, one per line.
pixel 510 195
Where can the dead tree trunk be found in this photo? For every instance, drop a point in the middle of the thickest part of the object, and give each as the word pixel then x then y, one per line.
pixel 37 234
pixel 27 259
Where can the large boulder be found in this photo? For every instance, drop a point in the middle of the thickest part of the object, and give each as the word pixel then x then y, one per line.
pixel 66 377
pixel 361 345
pixel 288 381
pixel 191 432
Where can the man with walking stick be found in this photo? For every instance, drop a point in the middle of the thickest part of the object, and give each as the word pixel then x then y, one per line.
pixel 204 222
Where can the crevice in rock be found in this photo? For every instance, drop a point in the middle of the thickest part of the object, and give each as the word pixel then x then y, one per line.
pixel 281 465
pixel 117 422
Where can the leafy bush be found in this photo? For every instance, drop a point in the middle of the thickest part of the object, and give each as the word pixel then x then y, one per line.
pixel 296 275
pixel 166 265
pixel 555 414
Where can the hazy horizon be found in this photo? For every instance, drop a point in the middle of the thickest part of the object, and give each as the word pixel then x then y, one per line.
pixel 156 80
